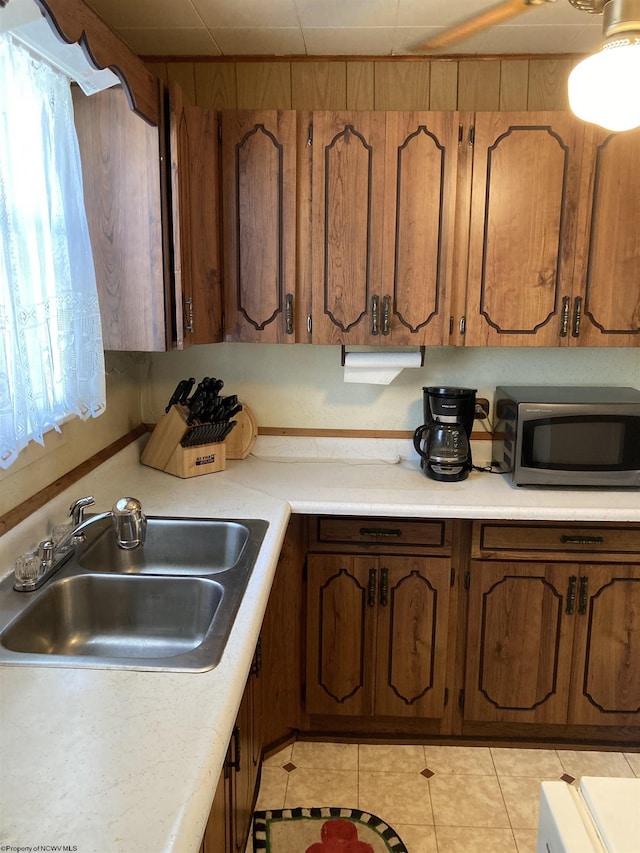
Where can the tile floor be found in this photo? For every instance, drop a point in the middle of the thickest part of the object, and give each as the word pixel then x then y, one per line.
pixel 440 799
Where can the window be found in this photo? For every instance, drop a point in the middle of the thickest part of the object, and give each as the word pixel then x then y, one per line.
pixel 51 355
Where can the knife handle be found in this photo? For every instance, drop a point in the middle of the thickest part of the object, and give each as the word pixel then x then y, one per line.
pixel 186 390
pixel 177 394
pixel 196 410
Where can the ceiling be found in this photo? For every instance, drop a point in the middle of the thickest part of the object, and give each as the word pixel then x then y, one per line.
pixel 337 27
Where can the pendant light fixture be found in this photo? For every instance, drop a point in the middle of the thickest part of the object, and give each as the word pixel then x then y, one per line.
pixel 604 88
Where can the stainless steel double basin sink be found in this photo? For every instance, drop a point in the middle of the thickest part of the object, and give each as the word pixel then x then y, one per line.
pixel 169 605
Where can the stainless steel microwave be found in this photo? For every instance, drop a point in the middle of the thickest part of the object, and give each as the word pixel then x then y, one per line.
pixel 568 436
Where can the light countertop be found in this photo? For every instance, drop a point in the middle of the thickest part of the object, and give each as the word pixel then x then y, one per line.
pixel 115 761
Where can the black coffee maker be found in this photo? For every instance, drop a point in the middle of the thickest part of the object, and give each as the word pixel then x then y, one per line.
pixel 443 440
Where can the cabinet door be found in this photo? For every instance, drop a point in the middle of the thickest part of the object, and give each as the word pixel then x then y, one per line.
pixel 522 237
pixel 347 217
pixel 120 156
pixel 606 687
pixel 217 836
pixel 411 654
pixel 421 155
pixel 341 616
pixel 259 224
pixel 193 157
pixel 519 642
pixel 244 775
pixel 606 306
pixel 282 650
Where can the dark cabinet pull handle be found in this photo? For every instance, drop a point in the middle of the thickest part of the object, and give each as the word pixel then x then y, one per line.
pixel 374 315
pixel 371 588
pixel 571 595
pixel 256 663
pixel 582 540
pixel 380 531
pixel 288 313
pixel 188 308
pixel 565 316
pixel 584 595
pixel 386 314
pixel 384 587
pixel 577 317
pixel 235 764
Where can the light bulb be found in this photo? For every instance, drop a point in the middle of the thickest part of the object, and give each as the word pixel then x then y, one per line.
pixel 603 88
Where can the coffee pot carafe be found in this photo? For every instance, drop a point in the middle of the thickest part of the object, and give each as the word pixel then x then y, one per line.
pixel 443 441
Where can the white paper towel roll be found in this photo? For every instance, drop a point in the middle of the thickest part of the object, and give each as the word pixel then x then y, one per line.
pixel 378 368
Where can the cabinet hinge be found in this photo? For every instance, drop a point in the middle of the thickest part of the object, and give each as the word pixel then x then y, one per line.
pixel 472 135
pixel 461 700
pixel 310 135
pixel 446 696
pixel 453 575
pixel 467 580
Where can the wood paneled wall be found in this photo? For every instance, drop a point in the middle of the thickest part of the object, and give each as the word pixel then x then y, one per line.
pixel 371 84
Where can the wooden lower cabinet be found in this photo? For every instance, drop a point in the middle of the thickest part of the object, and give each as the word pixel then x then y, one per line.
pixel 606 647
pixel 377 631
pixel 541 642
pixel 554 637
pixel 217 835
pixel 520 643
pixel 229 821
pixel 270 708
pixel 282 643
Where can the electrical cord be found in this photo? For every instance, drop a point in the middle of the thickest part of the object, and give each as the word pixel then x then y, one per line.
pixel 488 469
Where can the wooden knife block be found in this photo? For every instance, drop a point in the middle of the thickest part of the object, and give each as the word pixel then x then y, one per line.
pixel 164 451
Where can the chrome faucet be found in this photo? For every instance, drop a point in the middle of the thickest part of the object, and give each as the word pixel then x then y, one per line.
pixel 129 524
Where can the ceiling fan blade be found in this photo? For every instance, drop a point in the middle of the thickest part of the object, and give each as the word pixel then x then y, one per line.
pixel 491 17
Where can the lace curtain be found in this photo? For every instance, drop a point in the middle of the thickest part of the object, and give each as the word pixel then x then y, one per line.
pixel 51 355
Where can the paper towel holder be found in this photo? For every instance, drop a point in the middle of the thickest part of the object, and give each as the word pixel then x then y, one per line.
pixel 343 352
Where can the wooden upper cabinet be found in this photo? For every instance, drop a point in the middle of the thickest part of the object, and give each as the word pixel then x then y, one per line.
pixel 346 219
pixel 259 225
pixel 525 184
pixel 419 206
pixel 606 303
pixel 120 156
pixel 193 150
pixel 383 198
pixel 149 166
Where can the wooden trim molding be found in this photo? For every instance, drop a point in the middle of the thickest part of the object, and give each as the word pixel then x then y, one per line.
pixel 23 510
pixel 75 23
pixel 354 433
